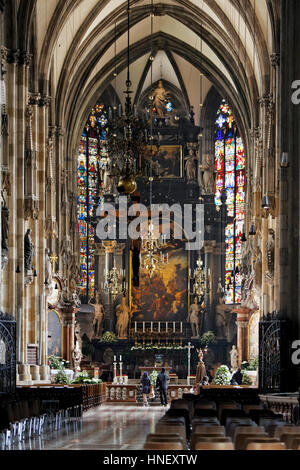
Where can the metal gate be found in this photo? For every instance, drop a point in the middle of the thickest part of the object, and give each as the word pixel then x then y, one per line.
pixel 7 354
pixel 272 355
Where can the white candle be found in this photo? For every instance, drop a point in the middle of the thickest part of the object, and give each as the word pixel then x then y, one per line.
pixel 167 327
pixel 115 358
pixel 173 327
pixel 159 326
pixel 181 327
pixel 151 326
pixel 120 358
pixel 135 326
pixel 143 327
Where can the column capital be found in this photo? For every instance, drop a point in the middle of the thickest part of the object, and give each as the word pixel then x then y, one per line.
pixel 44 100
pixel 33 98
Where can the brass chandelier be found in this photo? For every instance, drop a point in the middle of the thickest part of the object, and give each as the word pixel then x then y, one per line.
pixel 114 279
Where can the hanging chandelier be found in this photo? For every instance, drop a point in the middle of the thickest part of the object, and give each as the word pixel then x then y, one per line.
pixel 114 279
pixel 153 259
pixel 198 278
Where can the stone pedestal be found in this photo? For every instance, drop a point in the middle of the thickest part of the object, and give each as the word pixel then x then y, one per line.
pixel 35 372
pixel 45 372
pixel 24 373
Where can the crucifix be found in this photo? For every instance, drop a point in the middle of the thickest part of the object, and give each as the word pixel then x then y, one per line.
pixel 189 347
pixel 53 259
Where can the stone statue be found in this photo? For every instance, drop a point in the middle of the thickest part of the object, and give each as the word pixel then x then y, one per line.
pixel 193 318
pixel 48 267
pixel 160 96
pixel 77 356
pixel 190 166
pixel 28 250
pixel 270 250
pixel 208 180
pixel 123 316
pixel 99 316
pixel 234 358
pixel 65 250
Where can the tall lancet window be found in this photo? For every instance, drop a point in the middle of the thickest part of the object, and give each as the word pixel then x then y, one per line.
pixel 230 189
pixel 92 157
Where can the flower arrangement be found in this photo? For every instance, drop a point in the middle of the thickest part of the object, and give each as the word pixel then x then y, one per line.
pixel 108 337
pixel 222 376
pixel 206 339
pixel 156 347
pixel 246 380
pixel 252 365
pixel 83 378
pixel 153 377
pixel 61 378
pixel 58 363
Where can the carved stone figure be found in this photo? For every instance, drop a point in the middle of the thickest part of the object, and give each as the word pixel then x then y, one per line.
pixel 270 250
pixel 160 96
pixel 99 316
pixel 48 267
pixel 65 250
pixel 28 250
pixel 208 180
pixel 190 166
pixel 234 358
pixel 193 318
pixel 77 356
pixel 123 316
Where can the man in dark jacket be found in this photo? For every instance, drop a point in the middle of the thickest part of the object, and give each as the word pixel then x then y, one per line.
pixel 162 385
pixel 237 378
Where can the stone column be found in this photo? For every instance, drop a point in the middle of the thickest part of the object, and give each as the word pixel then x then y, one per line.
pixel 289 281
pixel 243 315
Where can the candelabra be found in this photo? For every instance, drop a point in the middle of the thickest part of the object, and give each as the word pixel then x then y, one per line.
pixel 153 258
pixel 114 279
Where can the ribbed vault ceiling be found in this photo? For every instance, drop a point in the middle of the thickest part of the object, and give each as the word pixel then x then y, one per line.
pixel 77 47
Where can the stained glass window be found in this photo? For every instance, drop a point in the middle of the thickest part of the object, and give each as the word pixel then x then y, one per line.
pixel 230 180
pixel 92 157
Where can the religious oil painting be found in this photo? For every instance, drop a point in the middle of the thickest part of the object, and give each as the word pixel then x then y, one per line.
pixel 164 296
pixel 54 334
pixel 168 159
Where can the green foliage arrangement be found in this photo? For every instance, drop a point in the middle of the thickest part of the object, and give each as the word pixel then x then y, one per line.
pixel 252 365
pixel 153 377
pixel 156 347
pixel 83 378
pixel 108 337
pixel 223 376
pixel 246 380
pixel 61 378
pixel 58 363
pixel 206 339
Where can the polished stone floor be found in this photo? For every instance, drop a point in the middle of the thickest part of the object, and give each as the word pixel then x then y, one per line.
pixel 106 427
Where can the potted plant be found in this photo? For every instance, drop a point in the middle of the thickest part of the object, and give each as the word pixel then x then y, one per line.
pixel 222 377
pixel 252 370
